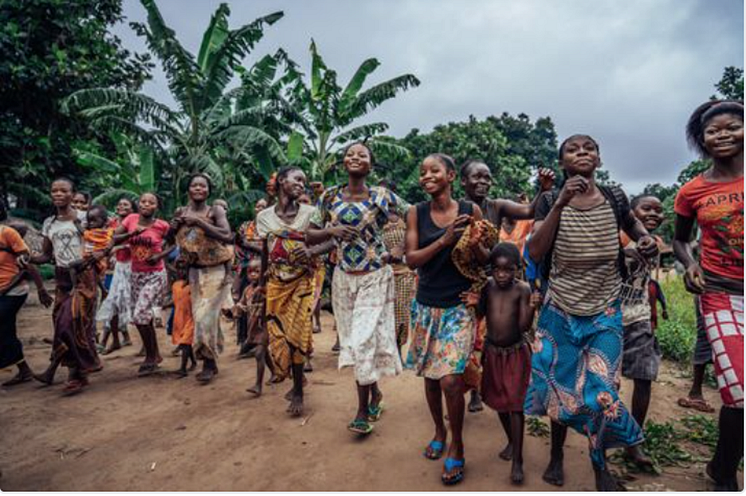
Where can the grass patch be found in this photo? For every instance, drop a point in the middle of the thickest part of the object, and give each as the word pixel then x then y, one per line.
pixel 678 334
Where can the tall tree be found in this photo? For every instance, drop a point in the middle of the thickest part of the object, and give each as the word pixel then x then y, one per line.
pixel 325 113
pixel 221 132
pixel 48 49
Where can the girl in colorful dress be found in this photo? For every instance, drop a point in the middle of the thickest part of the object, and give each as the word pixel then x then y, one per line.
pixel 714 199
pixel 290 281
pixel 115 309
pixel 363 284
pixel 204 237
pixel 578 343
pixel 443 328
pixel 144 233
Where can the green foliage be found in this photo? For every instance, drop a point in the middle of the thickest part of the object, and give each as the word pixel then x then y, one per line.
pixel 536 427
pixel 48 49
pixel 678 334
pixel 513 148
pixel 232 135
pixel 701 429
pixel 730 85
pixel 323 113
pixel 662 444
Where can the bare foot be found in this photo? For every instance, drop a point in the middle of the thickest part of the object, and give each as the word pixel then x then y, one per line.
pixel 516 473
pixel 256 389
pixel 111 349
pixel 507 453
pixel 295 408
pixel 605 481
pixel 555 473
pixel 180 373
pixel 636 456
pixel 19 378
pixel 475 404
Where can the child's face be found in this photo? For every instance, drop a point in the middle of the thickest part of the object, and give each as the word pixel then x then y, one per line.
pixel 650 212
pixel 79 202
pixel 253 272
pixel 96 219
pixel 148 205
pixel 504 272
pixel 124 208
pixel 435 176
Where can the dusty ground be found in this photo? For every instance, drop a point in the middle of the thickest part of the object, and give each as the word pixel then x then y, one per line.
pixel 164 434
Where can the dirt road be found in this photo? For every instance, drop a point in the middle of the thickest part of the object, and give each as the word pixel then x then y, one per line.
pixel 164 434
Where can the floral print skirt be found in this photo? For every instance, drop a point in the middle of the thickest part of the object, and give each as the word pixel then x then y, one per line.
pixel 574 377
pixel 442 340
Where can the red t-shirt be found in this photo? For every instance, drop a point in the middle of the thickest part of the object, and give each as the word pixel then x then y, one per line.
pixel 122 253
pixel 718 209
pixel 145 244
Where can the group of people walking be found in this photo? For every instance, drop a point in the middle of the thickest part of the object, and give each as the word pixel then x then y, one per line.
pixel 534 306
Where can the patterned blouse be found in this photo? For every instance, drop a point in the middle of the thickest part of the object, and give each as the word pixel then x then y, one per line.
pixel 363 254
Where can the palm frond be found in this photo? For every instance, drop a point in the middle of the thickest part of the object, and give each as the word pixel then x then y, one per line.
pixel 251 139
pixel 356 83
pixel 182 71
pixel 112 196
pixel 236 45
pixel 375 96
pixel 359 132
pixel 214 36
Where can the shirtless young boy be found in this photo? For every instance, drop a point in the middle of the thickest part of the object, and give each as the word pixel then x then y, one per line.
pixel 509 307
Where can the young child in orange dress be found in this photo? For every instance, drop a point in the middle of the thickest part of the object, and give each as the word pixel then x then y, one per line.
pixel 183 323
pixel 98 237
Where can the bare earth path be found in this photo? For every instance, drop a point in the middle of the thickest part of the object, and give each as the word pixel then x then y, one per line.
pixel 164 434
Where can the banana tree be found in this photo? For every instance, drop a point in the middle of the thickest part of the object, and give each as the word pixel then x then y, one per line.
pixel 325 113
pixel 209 126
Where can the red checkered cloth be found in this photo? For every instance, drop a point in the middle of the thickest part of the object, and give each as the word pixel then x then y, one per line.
pixel 723 316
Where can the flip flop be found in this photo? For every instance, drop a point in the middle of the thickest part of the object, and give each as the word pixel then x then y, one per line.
pixel 698 404
pixel 359 426
pixel 18 379
pixel 375 412
pixel 147 369
pixel 436 450
pixel 450 465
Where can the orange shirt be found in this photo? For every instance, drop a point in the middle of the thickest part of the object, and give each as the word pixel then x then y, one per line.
pixel 718 210
pixel 12 245
pixel 518 235
pixel 183 330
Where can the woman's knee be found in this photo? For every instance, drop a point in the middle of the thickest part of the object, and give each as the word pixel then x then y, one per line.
pixel 452 385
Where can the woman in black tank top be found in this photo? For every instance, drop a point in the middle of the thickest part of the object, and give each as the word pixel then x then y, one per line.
pixel 443 328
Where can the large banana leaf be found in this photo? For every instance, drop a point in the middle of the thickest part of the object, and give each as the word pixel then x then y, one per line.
pixel 295 147
pixel 375 96
pixel 183 74
pixel 355 84
pixel 214 36
pixel 236 45
pixel 147 169
pixel 359 132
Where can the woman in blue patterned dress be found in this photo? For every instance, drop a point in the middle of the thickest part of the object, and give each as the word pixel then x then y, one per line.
pixel 363 285
pixel 578 343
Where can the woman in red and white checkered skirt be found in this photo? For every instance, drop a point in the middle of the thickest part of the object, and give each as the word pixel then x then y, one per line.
pixel 714 199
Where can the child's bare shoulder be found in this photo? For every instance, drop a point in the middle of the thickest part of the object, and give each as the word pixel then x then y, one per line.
pixel 523 287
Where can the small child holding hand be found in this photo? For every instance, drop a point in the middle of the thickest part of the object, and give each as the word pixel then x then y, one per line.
pixel 508 305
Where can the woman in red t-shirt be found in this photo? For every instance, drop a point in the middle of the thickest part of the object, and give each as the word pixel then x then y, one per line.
pixel 144 234
pixel 714 199
pixel 115 311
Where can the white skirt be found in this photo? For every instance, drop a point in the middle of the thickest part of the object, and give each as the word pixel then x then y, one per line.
pixel 364 311
pixel 119 300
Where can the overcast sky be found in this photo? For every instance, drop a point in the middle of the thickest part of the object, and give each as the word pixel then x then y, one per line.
pixel 626 72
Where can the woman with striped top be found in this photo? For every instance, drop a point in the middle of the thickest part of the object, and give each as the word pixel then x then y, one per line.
pixel 578 344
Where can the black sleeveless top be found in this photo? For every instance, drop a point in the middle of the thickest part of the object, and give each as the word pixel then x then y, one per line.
pixel 440 282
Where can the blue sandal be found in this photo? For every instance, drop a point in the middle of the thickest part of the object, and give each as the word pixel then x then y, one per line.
pixel 375 412
pixel 450 465
pixel 436 450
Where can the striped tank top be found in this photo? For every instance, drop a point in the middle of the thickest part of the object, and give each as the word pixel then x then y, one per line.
pixel 585 278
